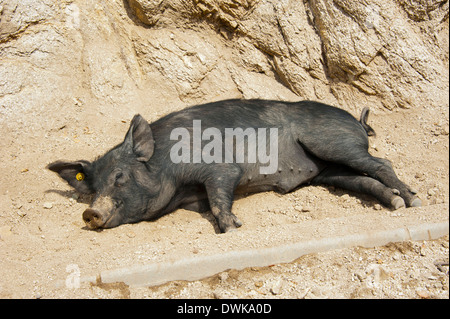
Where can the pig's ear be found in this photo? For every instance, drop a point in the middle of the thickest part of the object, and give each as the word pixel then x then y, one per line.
pixel 75 173
pixel 140 138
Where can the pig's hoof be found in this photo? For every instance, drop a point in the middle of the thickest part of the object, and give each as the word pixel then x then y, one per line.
pixel 397 202
pixel 230 225
pixel 236 224
pixel 416 202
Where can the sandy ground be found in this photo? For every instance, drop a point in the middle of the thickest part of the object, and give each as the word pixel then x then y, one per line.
pixel 43 238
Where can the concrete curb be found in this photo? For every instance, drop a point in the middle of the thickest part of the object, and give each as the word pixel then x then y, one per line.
pixel 204 266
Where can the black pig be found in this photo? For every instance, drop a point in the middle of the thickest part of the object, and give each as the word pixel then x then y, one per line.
pixel 171 163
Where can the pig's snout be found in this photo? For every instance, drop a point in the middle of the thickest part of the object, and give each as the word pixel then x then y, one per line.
pixel 92 218
pixel 100 213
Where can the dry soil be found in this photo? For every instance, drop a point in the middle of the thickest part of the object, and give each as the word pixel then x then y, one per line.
pixel 43 238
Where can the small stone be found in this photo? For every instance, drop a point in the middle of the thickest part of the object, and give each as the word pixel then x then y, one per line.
pixel 423 294
pixel 423 250
pixel 21 214
pixel 223 276
pixel 277 287
pixel 303 294
pixel 315 293
pixel 420 176
pixel 47 205
pixel 361 275
pixel 77 101
pixel 431 192
pixel 302 209
pixel 221 294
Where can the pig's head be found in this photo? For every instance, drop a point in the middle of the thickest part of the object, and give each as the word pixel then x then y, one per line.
pixel 119 179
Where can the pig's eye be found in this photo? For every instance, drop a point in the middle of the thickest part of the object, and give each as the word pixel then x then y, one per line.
pixel 120 179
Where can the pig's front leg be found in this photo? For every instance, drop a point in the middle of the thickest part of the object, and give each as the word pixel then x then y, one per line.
pixel 220 186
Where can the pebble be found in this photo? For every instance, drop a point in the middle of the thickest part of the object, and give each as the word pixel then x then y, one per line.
pixel 377 207
pixel 423 294
pixel 420 176
pixel 277 287
pixel 21 214
pixel 302 209
pixel 423 251
pixel 223 276
pixel 361 275
pixel 47 205
pixel 303 294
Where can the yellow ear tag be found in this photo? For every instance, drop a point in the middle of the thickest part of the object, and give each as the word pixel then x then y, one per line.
pixel 80 177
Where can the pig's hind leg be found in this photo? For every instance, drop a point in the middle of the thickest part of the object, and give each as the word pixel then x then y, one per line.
pixel 381 169
pixel 346 178
pixel 350 149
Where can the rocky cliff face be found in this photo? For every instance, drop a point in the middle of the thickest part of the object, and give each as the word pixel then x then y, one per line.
pixel 141 55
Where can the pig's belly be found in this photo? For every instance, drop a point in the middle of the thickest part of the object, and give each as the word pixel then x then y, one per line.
pixel 294 167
